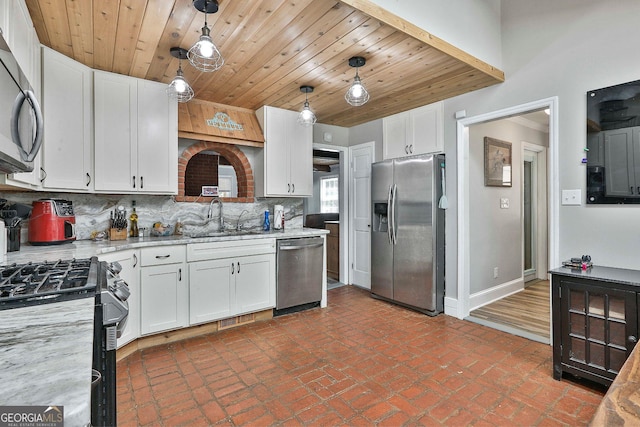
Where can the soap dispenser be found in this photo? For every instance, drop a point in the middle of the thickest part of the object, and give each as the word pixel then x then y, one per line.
pixel 266 225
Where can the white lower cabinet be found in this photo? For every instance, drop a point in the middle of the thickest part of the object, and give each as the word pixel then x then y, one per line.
pixel 210 288
pixel 164 290
pixel 130 262
pixel 230 278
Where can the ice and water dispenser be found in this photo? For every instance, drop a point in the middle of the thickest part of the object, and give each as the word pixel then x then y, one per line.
pixel 380 217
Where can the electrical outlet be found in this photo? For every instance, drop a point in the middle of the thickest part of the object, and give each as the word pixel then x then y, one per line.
pixel 504 203
pixel 495 272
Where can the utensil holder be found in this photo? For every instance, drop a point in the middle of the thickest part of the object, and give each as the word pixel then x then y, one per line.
pixel 13 238
pixel 118 234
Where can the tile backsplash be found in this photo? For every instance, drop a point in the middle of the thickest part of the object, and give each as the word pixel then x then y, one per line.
pixel 92 211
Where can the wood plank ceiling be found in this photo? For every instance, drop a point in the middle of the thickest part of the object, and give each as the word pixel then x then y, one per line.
pixel 271 48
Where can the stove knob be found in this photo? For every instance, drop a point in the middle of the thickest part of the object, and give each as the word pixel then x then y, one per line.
pixel 122 292
pixel 115 268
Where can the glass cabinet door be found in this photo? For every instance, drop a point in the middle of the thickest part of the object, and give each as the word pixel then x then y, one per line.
pixel 600 328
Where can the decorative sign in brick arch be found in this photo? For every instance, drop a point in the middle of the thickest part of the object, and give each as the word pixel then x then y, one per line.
pixel 236 158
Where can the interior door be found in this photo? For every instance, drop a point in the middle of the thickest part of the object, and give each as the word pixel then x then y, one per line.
pixel 360 158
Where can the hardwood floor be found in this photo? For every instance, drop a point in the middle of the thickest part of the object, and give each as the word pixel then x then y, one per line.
pixel 526 313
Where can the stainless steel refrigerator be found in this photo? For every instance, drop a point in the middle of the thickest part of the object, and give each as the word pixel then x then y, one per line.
pixel 407 240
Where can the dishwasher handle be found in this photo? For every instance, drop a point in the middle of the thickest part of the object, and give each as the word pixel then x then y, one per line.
pixel 296 247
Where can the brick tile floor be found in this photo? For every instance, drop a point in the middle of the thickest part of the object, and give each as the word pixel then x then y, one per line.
pixel 358 362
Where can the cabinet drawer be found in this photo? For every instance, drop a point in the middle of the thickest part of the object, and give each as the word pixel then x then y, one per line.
pixel 162 255
pixel 229 249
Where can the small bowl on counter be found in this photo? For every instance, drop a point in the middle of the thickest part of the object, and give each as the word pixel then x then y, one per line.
pixel 160 229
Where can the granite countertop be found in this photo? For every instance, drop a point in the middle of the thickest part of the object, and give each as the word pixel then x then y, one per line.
pixel 621 405
pixel 45 357
pixel 604 274
pixel 88 248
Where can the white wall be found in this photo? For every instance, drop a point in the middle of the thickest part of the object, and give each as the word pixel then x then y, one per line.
pixel 495 237
pixel 561 49
pixel 338 135
pixel 471 25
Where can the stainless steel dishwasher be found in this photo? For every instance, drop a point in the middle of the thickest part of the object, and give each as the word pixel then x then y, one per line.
pixel 299 274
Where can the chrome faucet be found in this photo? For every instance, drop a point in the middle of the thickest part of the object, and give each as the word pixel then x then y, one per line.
pixel 221 218
pixel 240 216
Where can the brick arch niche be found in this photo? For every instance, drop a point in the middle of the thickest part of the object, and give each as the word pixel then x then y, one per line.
pixel 236 158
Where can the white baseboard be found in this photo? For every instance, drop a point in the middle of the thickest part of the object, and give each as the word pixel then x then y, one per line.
pixel 493 294
pixel 451 307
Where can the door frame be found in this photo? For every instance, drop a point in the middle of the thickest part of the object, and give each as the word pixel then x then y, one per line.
pixel 345 220
pixel 372 146
pixel 538 222
pixel 459 306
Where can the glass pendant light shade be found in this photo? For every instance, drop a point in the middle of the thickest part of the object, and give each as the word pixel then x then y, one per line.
pixel 179 88
pixel 357 94
pixel 204 55
pixel 306 116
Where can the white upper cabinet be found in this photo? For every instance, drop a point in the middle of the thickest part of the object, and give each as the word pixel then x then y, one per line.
pixel 17 30
pixel 136 136
pixel 287 170
pixel 418 131
pixel 68 137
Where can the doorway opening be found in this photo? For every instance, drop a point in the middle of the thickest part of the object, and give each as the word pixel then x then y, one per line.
pixel 326 208
pixel 516 213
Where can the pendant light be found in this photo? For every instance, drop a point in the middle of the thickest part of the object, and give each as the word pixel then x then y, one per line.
pixel 179 88
pixel 306 117
pixel 357 94
pixel 204 55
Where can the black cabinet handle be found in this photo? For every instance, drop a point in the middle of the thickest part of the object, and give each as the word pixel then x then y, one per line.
pixel 293 188
pixel 135 260
pixel 179 275
pixel 162 256
pixel 233 268
pixel 43 177
pixel 238 267
pixel 134 181
pixel 288 188
pixel 89 178
pixel 142 182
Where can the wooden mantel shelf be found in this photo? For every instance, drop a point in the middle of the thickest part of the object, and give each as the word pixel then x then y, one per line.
pixel 209 121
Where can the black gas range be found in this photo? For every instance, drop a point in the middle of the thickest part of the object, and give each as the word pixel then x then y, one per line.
pixel 31 284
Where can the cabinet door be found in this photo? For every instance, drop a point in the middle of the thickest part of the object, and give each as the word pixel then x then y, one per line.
pixel 595 144
pixel 255 283
pixel 115 132
pixel 210 290
pixel 129 260
pixel 395 137
pixel 163 298
pixel 66 105
pixel 426 129
pixel 157 139
pixel 300 141
pixel 618 163
pixel 599 328
pixel 276 154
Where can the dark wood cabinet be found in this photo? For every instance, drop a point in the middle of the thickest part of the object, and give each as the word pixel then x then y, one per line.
pixel 595 321
pixel 333 249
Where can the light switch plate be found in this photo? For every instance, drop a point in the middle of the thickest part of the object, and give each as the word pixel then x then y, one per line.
pixel 504 203
pixel 571 197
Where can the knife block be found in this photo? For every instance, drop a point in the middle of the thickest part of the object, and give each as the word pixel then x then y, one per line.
pixel 118 234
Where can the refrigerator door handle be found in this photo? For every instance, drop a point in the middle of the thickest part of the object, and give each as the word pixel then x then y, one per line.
pixel 393 214
pixel 389 218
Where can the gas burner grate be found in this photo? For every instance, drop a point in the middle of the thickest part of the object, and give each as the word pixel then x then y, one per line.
pixel 33 280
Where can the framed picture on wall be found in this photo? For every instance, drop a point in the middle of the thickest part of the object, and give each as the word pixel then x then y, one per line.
pixel 497 163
